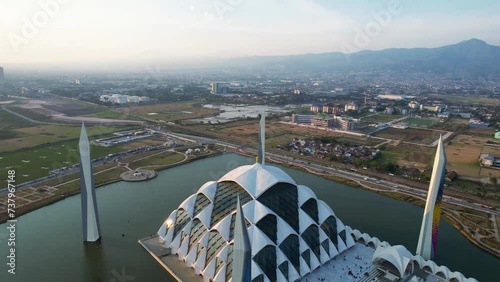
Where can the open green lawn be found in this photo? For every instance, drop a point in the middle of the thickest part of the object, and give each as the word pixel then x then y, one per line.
pixel 170 111
pixel 408 155
pixel 419 136
pixel 113 115
pixel 27 137
pixel 10 122
pixel 420 122
pixel 157 160
pixel 467 100
pixel 380 118
pixel 36 163
pixel 31 114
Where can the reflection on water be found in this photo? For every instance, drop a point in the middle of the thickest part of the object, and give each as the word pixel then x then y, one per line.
pixel 95 266
pixel 240 111
pixel 50 248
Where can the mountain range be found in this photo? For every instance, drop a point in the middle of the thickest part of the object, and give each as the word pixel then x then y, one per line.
pixel 471 57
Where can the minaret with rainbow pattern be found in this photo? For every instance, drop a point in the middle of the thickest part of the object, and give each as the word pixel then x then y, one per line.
pixel 430 224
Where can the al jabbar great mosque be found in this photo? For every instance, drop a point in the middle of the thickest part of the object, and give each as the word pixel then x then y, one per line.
pixel 257 224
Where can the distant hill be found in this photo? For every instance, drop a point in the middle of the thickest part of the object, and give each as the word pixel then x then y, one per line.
pixel 470 57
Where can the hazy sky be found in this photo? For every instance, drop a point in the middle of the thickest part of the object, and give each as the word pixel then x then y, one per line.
pixel 122 30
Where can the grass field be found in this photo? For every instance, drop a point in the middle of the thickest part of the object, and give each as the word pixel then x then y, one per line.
pixel 10 122
pixel 452 124
pixel 409 155
pixel 279 133
pixel 420 122
pixel 158 160
pixel 487 133
pixel 170 111
pixel 27 137
pixel 467 100
pixel 36 163
pixel 381 118
pixel 463 153
pixel 34 114
pixel 413 135
pixel 113 115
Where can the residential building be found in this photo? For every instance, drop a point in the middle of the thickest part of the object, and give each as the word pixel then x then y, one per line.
pixel 322 122
pixel 351 107
pixel 302 119
pixel 316 108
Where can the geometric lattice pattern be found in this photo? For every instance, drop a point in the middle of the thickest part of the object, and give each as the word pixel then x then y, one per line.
pixel 291 232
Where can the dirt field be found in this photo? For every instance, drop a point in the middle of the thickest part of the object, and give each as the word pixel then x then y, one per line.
pixel 410 155
pixel 279 133
pixel 413 135
pixel 64 106
pixel 170 111
pixel 462 154
pixel 487 133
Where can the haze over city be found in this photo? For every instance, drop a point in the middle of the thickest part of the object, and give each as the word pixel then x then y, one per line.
pixel 250 140
pixel 96 33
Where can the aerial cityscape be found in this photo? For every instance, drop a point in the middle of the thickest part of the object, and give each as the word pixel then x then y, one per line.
pixel 218 140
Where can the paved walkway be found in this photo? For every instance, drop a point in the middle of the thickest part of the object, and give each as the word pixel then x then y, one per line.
pixel 494 220
pixel 177 268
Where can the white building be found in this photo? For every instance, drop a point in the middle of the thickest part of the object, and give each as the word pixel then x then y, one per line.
pixel 392 97
pixel 351 107
pixel 291 231
pixel 132 99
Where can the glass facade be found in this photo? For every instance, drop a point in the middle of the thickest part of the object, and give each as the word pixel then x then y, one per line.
pixel 282 198
pixel 311 208
pixel 215 244
pixel 266 260
pixel 326 246
pixel 181 221
pixel 197 230
pixel 268 225
pixel 311 237
pixel 259 278
pixel 329 226
pixel 229 268
pixel 343 236
pixel 290 247
pixel 225 200
pixel 201 202
pixel 306 255
pixel 284 269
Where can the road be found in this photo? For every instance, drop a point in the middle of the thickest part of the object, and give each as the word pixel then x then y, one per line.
pixel 391 186
pixel 342 173
pixel 27 118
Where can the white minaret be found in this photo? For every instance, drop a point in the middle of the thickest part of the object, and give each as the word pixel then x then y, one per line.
pixel 261 156
pixel 242 251
pixel 90 216
pixel 430 224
